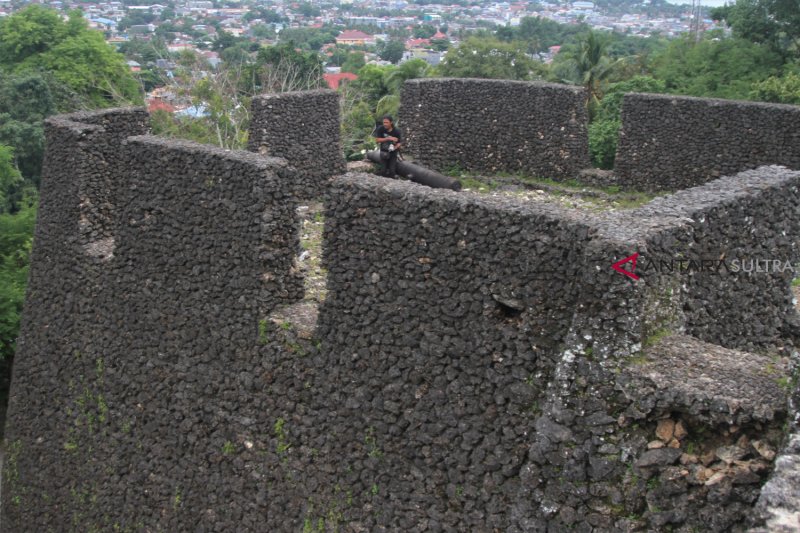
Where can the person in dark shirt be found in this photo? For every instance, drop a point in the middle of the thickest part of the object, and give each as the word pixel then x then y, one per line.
pixel 390 139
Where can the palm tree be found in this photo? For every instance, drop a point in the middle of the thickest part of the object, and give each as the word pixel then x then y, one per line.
pixel 411 69
pixel 593 67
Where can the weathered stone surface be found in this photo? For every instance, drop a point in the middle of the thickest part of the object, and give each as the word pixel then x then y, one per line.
pixel 477 365
pixel 532 127
pixel 665 429
pixel 708 382
pixel 670 142
pixel 302 127
pixel 658 457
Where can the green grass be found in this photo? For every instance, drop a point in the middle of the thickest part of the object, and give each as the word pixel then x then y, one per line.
pixel 655 337
pixel 477 185
pixel 548 182
pixel 785 382
pixel 638 360
pixel 372 444
pixel 282 436
pixel 566 191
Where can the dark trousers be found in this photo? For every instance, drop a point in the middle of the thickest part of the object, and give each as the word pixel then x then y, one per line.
pixel 388 163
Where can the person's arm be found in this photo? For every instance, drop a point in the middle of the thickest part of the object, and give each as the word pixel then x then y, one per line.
pixel 386 137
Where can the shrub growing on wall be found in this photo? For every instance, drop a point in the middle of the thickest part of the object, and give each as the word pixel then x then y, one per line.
pixel 604 129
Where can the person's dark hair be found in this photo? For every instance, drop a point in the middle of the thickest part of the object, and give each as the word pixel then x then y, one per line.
pixel 389 118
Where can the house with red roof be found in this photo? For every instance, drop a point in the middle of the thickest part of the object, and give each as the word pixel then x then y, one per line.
pixel 157 104
pixel 354 37
pixel 335 80
pixel 417 43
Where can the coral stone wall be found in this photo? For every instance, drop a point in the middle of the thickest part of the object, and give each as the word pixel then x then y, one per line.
pixel 478 364
pixel 671 142
pixel 744 254
pixel 450 425
pixel 97 190
pixel 445 324
pixel 131 382
pixel 496 126
pixel 304 128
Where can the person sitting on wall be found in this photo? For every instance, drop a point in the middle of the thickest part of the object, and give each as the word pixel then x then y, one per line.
pixel 390 139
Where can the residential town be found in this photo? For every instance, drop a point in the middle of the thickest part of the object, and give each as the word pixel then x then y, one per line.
pixel 195 24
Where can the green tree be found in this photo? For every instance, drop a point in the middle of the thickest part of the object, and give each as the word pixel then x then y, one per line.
pixel 358 122
pixel 488 58
pixel 505 34
pixel 16 231
pixel 25 100
pixel 411 69
pixel 391 50
pixel 36 38
pixel 611 104
pixel 715 67
pixel 354 62
pixel 540 34
pixel 587 63
pixel 440 45
pixel 135 18
pixel 603 137
pixel 781 90
pixel 425 31
pixel 144 51
pixel 225 40
pixel 604 129
pixel 308 38
pixel 281 68
pixel 388 105
pixel 262 13
pixel 308 9
pixel 775 23
pixel 338 55
pixel 262 32
pixel 29 32
pixel 10 178
pixel 371 82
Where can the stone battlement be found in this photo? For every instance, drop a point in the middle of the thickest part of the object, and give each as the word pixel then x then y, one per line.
pixel 478 363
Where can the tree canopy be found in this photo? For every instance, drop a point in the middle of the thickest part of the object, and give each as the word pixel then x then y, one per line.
pixel 715 67
pixel 392 50
pixel 36 38
pixel 488 58
pixel 775 23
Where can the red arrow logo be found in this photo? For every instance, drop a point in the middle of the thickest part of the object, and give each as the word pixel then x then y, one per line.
pixel 630 273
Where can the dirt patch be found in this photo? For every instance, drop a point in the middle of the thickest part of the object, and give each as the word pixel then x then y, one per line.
pixel 302 316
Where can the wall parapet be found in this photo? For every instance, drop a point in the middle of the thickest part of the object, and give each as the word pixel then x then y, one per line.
pixel 304 128
pixel 477 365
pixel 496 126
pixel 670 142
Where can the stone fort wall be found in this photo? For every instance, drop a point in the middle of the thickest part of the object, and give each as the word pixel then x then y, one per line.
pixel 477 365
pixel 302 127
pixel 496 126
pixel 670 142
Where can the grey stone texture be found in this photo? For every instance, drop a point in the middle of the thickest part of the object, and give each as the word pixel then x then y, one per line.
pixel 496 126
pixel 302 127
pixel 130 374
pixel 743 389
pixel 672 142
pixel 779 503
pixel 477 364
